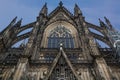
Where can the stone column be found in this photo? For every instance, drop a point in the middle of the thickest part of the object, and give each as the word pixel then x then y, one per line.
pixel 38 75
pixel 21 67
pixel 103 69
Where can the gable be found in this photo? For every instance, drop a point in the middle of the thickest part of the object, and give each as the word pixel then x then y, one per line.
pixel 60 67
pixel 60 14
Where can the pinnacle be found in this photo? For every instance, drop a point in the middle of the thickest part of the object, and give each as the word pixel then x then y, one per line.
pixel 61 3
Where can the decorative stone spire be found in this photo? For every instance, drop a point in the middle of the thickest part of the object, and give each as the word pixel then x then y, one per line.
pixel 44 10
pixel 13 21
pixel 60 4
pixel 18 24
pixel 10 25
pixel 102 24
pixel 108 23
pixel 77 10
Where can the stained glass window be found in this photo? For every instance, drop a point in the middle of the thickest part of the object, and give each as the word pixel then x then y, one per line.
pixel 60 35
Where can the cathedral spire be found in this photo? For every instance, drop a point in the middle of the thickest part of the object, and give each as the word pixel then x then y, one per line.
pixel 44 10
pixel 77 10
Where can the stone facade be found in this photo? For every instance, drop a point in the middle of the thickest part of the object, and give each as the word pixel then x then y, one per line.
pixel 60 46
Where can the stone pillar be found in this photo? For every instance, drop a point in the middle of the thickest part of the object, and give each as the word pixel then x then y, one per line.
pixel 21 67
pixel 38 75
pixel 41 74
pixel 103 69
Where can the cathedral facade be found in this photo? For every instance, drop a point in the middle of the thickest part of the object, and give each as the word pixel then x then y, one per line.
pixel 61 46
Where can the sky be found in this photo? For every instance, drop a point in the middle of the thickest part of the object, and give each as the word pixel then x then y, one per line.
pixel 28 10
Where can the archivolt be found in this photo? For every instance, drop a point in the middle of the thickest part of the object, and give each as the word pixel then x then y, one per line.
pixel 52 26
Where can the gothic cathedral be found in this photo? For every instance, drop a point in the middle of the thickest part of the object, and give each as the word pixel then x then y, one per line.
pixel 60 46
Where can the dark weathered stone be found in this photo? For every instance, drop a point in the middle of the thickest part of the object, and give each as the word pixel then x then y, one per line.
pixel 36 60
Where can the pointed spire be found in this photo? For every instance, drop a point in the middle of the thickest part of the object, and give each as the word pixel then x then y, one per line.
pixel 13 21
pixel 18 24
pixel 77 10
pixel 108 23
pixel 44 10
pixel 10 25
pixel 102 24
pixel 60 4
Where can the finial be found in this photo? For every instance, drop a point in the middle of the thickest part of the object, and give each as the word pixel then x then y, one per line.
pixel 106 20
pixel 18 24
pixel 20 21
pixel 44 10
pixel 61 4
pixel 76 5
pixel 61 46
pixel 77 10
pixel 14 20
pixel 45 4
pixel 101 21
pixel 102 24
pixel 108 23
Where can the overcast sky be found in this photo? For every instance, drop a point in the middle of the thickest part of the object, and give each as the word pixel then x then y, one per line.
pixel 29 10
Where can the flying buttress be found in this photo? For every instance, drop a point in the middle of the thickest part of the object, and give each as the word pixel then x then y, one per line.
pixel 101 38
pixel 21 37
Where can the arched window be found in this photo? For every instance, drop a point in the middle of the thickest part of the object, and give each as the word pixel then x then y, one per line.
pixel 60 35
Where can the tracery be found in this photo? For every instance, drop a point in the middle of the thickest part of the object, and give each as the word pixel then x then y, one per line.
pixel 60 35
